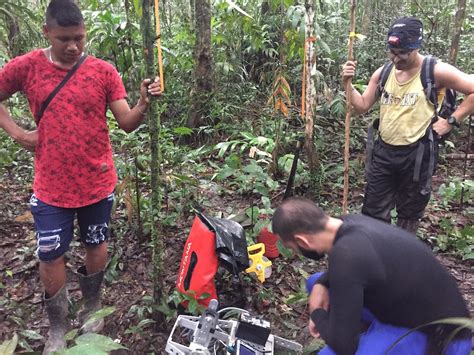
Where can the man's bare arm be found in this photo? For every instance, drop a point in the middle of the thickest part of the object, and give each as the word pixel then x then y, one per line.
pixel 129 119
pixel 448 76
pixel 27 139
pixel 361 102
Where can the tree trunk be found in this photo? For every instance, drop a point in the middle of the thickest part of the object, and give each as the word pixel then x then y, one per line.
pixel 164 15
pixel 154 129
pixel 310 95
pixel 458 21
pixel 126 5
pixel 367 16
pixel 192 12
pixel 203 70
pixel 13 32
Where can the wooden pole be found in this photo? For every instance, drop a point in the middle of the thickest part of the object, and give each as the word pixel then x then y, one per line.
pixel 348 89
pixel 158 44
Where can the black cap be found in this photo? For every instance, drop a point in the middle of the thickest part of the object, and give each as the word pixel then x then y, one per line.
pixel 405 33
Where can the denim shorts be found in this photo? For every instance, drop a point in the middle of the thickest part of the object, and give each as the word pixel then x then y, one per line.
pixel 55 226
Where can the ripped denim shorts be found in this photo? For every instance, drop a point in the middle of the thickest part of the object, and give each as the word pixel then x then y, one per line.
pixel 55 226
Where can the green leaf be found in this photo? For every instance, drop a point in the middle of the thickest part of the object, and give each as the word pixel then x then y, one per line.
pixel 468 256
pixel 71 334
pixel 192 306
pixel 292 326
pixel 233 161
pixel 248 135
pixel 286 162
pixel 285 252
pixel 225 173
pixel 31 334
pixel 296 298
pixel 252 169
pixel 81 349
pixel 183 131
pixel 314 346
pixel 100 342
pixel 261 223
pixel 138 7
pixel 260 188
pixel 223 146
pixel 145 322
pixel 232 5
pixel 252 213
pixel 100 314
pixel 185 179
pixel 204 296
pixel 267 204
pixel 262 140
pixel 8 346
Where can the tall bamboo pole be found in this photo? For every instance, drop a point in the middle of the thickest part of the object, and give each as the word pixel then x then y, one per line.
pixel 154 125
pixel 348 110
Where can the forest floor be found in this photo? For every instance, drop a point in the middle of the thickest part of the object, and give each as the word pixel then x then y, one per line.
pixel 129 286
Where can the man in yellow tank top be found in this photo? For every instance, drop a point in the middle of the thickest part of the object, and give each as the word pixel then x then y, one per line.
pixel 405 124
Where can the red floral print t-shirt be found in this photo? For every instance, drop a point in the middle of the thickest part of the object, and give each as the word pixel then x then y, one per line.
pixel 73 157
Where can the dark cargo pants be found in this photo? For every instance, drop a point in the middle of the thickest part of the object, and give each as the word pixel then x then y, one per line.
pixel 391 183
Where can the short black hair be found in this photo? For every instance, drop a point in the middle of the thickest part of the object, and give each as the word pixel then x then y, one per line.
pixel 298 215
pixel 64 13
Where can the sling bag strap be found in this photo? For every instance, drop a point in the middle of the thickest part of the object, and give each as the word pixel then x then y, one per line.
pixel 387 68
pixel 68 76
pixel 369 146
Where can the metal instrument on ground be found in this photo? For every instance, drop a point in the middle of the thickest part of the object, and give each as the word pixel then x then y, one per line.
pixel 207 334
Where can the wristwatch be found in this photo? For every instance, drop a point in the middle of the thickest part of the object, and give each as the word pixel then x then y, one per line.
pixel 452 121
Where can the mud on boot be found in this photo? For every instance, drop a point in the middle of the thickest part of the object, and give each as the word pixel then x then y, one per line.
pixel 90 287
pixel 57 310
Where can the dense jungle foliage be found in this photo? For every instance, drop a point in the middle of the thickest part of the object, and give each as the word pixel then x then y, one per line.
pixel 233 158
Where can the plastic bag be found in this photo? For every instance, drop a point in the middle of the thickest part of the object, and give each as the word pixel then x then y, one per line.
pixel 231 245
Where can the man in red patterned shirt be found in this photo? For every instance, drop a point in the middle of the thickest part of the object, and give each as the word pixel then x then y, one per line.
pixel 74 169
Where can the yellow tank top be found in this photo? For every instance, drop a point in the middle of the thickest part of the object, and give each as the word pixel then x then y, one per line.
pixel 405 112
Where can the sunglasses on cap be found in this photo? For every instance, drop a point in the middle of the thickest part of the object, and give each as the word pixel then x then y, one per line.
pixel 401 53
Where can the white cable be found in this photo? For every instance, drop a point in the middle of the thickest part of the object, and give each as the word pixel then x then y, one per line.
pixel 240 310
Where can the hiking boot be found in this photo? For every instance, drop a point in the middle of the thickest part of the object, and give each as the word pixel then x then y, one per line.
pixel 410 225
pixel 57 310
pixel 90 287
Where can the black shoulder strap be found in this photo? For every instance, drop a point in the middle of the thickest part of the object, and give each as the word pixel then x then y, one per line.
pixel 68 76
pixel 387 68
pixel 428 80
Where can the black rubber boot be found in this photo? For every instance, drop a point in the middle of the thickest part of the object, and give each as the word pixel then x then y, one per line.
pixel 410 225
pixel 57 310
pixel 90 287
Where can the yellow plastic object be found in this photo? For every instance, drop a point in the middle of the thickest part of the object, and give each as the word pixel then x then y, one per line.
pixel 259 264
